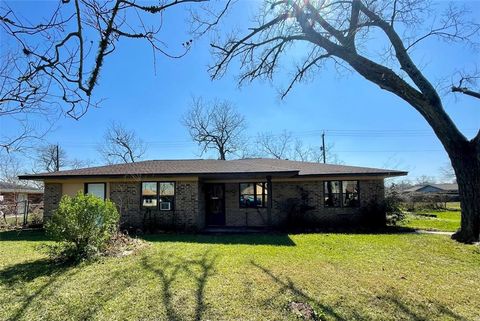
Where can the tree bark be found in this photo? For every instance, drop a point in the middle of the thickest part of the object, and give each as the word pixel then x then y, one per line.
pixel 467 170
pixel 222 154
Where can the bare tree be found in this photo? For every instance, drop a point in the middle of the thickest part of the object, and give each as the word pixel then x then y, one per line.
pixel 50 158
pixel 276 146
pixel 121 145
pixel 215 125
pixel 348 34
pixel 51 65
pixel 447 173
pixel 425 180
pixel 10 168
pixel 285 146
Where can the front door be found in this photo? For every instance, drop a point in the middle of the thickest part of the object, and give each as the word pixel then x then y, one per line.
pixel 215 204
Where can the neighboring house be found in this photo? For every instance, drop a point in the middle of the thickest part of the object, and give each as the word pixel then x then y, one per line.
pixel 194 194
pixel 451 189
pixel 15 197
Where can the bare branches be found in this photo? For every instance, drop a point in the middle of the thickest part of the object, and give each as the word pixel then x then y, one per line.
pixel 330 32
pixel 466 91
pixel 285 146
pixel 453 26
pixel 121 145
pixel 466 82
pixel 54 65
pixel 215 125
pixel 276 146
pixel 50 158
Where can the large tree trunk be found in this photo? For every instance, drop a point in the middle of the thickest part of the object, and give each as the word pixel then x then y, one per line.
pixel 467 170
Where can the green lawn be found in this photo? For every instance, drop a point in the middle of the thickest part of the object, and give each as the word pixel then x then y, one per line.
pixel 248 277
pixel 448 221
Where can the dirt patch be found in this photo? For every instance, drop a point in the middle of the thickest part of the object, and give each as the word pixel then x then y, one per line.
pixel 122 245
pixel 302 310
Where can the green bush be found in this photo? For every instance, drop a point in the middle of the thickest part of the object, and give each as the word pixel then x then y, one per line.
pixel 393 206
pixel 82 226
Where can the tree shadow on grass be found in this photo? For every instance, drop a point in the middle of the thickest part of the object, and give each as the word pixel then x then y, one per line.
pixel 21 235
pixel 277 239
pixel 288 285
pixel 431 310
pixel 170 269
pixel 15 275
pixel 427 311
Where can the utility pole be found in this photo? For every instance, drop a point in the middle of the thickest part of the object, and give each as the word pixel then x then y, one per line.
pixel 57 158
pixel 323 148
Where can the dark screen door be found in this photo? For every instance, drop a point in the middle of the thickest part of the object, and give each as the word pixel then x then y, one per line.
pixel 215 204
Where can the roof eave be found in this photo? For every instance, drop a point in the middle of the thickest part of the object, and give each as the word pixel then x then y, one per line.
pixel 211 175
pixel 148 175
pixel 384 175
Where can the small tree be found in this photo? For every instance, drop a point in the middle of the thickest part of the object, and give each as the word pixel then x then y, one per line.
pixel 393 205
pixel 215 125
pixel 82 225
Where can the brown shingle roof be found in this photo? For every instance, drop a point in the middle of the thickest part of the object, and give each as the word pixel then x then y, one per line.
pixel 215 167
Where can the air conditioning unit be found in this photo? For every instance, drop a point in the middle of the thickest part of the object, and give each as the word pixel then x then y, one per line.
pixel 165 206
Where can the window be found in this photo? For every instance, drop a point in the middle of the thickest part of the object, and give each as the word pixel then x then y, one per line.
pixel 253 195
pixel 341 194
pixel 159 195
pixel 332 193
pixel 167 195
pixel 96 189
pixel 149 194
pixel 350 193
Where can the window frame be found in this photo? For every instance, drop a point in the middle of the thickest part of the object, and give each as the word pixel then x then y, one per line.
pixel 85 188
pixel 264 195
pixel 341 194
pixel 357 192
pixel 172 208
pixel 158 196
pixel 141 195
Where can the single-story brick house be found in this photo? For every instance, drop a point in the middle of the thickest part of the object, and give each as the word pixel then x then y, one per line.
pixel 195 194
pixel 15 198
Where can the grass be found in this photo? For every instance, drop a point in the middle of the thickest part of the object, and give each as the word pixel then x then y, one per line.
pixel 247 277
pixel 445 220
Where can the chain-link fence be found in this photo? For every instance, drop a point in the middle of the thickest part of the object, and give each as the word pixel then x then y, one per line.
pixel 22 213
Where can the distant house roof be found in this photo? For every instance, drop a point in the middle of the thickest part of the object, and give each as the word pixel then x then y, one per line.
pixel 6 187
pixel 432 188
pixel 210 167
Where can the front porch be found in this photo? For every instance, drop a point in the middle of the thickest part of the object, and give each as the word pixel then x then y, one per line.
pixel 239 204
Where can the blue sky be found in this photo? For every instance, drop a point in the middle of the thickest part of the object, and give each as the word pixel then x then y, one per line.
pixel 152 103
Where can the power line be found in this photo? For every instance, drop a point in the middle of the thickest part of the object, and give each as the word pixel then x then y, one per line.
pixel 360 133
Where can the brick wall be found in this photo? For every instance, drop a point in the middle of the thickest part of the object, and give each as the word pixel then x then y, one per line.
pixel 127 198
pixel 236 216
pixel 189 211
pixel 184 216
pixel 312 191
pixel 51 199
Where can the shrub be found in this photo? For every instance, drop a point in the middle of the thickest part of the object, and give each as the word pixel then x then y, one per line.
pixel 36 218
pixel 82 226
pixel 393 206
